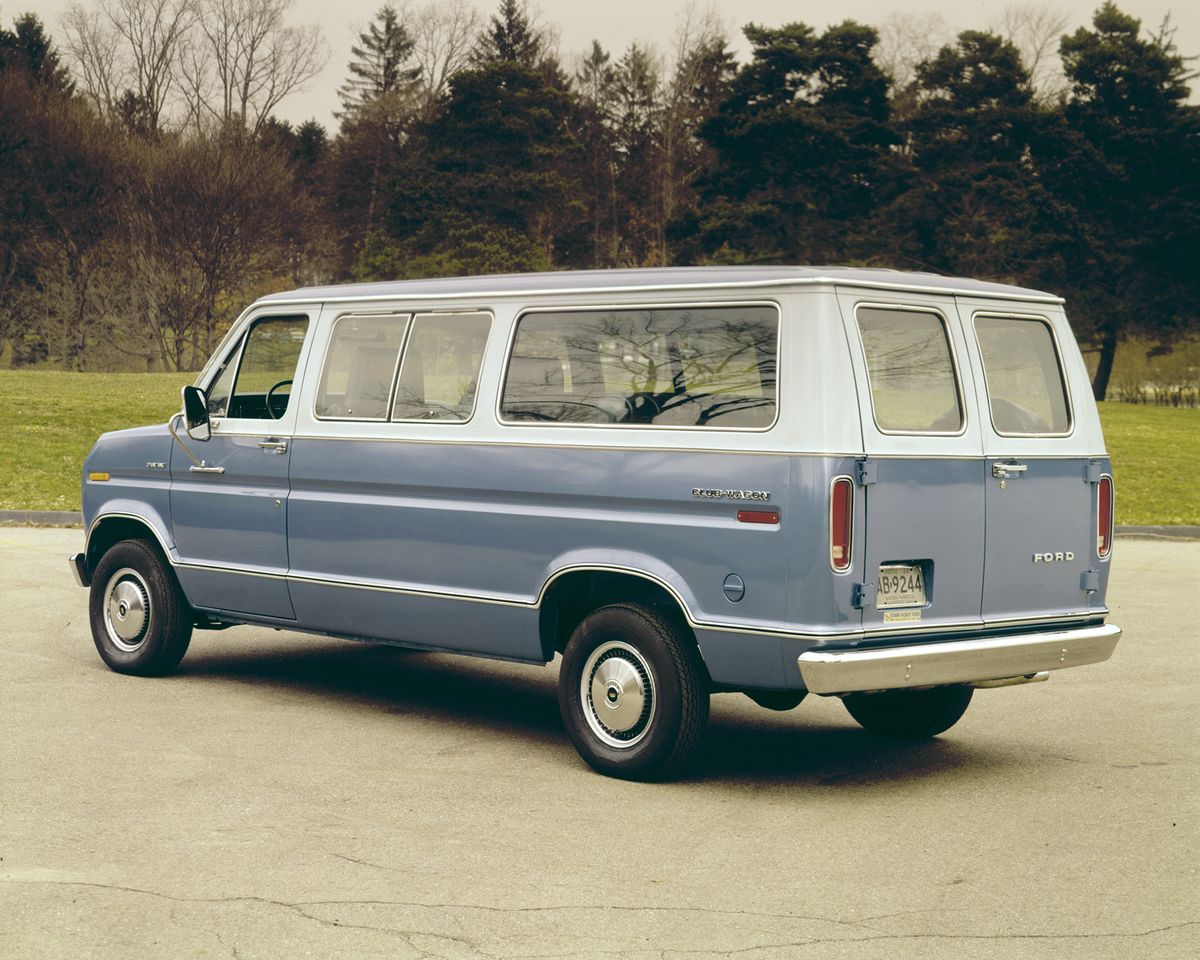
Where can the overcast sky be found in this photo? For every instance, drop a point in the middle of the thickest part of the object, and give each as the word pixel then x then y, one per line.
pixel 617 23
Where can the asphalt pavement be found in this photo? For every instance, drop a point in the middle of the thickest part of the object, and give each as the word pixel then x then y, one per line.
pixel 285 796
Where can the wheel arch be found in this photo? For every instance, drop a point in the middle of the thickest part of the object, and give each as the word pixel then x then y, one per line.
pixel 571 593
pixel 112 527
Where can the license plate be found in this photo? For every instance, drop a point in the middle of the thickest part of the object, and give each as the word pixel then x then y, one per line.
pixel 900 585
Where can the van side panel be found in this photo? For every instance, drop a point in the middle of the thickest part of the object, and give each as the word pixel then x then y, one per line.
pixel 492 523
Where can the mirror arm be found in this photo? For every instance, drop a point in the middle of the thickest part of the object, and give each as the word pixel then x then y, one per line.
pixel 179 440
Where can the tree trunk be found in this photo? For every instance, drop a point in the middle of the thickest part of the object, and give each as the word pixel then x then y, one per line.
pixel 1108 352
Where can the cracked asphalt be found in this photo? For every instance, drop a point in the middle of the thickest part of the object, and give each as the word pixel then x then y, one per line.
pixel 286 797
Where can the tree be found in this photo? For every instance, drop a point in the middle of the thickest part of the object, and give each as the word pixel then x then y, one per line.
pixel 595 84
pixel 511 37
pixel 802 150
pixel 129 46
pixel 381 65
pixel 28 48
pixel 973 205
pixel 443 35
pixel 243 60
pixel 636 126
pixel 1124 169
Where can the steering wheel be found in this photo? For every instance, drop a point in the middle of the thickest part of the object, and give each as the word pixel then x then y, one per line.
pixel 271 413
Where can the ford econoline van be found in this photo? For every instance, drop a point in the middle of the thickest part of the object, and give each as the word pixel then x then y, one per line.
pixel 890 488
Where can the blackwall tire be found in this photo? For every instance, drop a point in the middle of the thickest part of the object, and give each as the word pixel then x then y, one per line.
pixel 633 693
pixel 140 621
pixel 910 714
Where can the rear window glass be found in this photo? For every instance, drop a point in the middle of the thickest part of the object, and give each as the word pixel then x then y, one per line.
pixel 1024 378
pixel 694 367
pixel 360 366
pixel 913 385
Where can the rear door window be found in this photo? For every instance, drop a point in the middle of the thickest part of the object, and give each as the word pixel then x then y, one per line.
pixel 440 371
pixel 682 367
pixel 1021 368
pixel 914 386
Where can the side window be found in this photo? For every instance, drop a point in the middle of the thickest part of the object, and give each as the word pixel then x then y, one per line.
pixel 694 367
pixel 909 365
pixel 1024 378
pixel 360 367
pixel 256 380
pixel 440 370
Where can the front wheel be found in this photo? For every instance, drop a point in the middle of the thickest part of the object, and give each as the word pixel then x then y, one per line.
pixel 912 714
pixel 139 617
pixel 632 692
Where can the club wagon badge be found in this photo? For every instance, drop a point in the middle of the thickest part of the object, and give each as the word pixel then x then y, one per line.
pixel 705 493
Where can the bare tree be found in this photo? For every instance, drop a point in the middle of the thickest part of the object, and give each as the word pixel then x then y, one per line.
pixel 128 48
pixel 906 39
pixel 245 59
pixel 1036 31
pixel 443 35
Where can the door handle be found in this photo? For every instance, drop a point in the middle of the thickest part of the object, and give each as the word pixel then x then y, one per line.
pixel 1002 471
pixel 271 445
pixel 202 467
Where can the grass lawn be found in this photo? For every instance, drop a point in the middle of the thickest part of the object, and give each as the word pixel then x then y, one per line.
pixel 49 421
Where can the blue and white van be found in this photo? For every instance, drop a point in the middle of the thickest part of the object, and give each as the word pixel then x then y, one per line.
pixel 886 487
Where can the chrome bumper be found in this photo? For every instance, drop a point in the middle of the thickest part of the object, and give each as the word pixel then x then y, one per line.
pixel 956 661
pixel 79 568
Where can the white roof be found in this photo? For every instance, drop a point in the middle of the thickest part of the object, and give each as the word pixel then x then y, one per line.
pixel 663 278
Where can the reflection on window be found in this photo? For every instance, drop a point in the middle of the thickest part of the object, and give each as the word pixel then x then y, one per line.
pixel 1024 380
pixel 913 389
pixel 360 366
pixel 222 387
pixel 264 370
pixel 704 366
pixel 440 371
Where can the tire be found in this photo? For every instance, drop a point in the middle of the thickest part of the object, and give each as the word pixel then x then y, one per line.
pixel 654 689
pixel 141 623
pixel 911 714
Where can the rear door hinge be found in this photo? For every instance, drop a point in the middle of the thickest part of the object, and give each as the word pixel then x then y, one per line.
pixel 863 595
pixel 865 472
pixel 1092 472
pixel 1089 581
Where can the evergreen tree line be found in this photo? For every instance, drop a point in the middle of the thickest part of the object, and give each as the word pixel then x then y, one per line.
pixel 139 211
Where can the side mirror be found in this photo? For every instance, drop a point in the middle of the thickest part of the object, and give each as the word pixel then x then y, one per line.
pixel 195 414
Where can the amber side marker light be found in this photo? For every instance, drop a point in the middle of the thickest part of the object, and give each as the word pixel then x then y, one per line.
pixel 1104 517
pixel 98 477
pixel 758 516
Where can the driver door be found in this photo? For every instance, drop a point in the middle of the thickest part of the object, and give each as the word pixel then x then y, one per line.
pixel 229 514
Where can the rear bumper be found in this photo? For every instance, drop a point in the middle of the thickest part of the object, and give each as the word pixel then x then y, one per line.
pixel 957 661
pixel 79 568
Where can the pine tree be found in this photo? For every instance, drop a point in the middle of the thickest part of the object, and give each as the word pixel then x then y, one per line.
pixel 27 47
pixel 379 69
pixel 510 38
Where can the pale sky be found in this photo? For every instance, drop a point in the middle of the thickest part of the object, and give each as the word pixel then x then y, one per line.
pixel 617 23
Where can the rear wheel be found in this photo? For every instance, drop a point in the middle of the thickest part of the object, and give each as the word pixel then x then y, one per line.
pixel 632 692
pixel 912 714
pixel 140 620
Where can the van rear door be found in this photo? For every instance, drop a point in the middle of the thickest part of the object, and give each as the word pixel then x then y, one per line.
pixel 923 527
pixel 1044 460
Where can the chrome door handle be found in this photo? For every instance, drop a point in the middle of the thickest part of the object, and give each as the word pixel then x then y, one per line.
pixel 204 468
pixel 1002 471
pixel 271 445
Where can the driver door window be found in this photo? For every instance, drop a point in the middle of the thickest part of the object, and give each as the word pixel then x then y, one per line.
pixel 256 380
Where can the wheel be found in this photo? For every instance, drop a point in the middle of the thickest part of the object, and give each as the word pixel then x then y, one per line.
pixel 633 693
pixel 914 714
pixel 140 620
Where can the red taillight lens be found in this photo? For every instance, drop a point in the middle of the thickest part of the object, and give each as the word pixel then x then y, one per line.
pixel 841 522
pixel 1104 517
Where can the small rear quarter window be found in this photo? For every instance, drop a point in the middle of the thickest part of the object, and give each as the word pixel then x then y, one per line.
pixel 1024 379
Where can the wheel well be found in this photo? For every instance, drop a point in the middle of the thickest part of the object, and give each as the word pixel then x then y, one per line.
pixel 573 596
pixel 112 530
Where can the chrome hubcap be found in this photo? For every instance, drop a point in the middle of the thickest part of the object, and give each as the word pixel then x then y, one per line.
pixel 617 692
pixel 127 609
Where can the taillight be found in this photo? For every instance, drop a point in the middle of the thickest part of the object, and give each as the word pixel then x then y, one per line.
pixel 841 522
pixel 1104 517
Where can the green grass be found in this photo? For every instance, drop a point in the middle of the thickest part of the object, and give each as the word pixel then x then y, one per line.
pixel 49 421
pixel 1156 461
